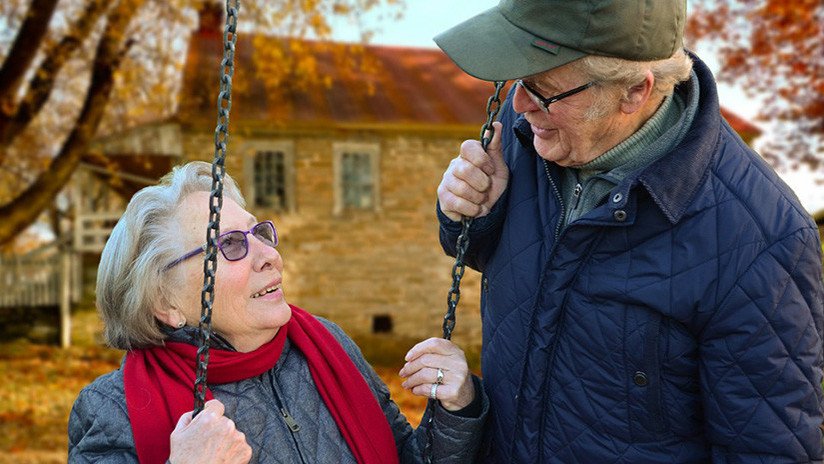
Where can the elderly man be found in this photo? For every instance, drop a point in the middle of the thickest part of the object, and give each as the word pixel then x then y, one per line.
pixel 651 290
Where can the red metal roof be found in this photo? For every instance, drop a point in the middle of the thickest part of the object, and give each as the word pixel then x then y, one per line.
pixel 419 86
pixel 409 86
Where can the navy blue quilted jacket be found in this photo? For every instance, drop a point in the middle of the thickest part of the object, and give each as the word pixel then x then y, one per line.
pixel 680 321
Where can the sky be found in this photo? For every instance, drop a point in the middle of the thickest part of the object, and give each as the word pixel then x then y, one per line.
pixel 424 19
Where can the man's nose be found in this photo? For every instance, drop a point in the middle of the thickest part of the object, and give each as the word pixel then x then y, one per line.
pixel 521 102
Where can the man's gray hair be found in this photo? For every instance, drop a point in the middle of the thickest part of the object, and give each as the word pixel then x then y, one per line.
pixel 622 74
pixel 130 279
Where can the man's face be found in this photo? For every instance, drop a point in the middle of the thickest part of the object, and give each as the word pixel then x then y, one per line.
pixel 568 134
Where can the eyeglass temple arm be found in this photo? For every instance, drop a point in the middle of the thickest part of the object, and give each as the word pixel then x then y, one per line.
pixel 188 255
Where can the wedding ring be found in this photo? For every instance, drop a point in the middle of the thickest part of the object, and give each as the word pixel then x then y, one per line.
pixel 439 379
pixel 433 392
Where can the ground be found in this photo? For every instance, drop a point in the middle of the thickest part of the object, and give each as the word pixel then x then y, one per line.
pixel 40 383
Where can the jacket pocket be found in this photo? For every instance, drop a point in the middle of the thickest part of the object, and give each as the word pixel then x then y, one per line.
pixel 645 384
pixel 652 363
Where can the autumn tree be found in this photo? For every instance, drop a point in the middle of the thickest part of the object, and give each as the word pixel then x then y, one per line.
pixel 73 69
pixel 773 48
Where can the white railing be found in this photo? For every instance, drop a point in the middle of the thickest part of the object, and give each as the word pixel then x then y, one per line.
pixel 91 230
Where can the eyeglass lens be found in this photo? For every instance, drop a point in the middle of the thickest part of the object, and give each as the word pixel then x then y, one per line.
pixel 536 99
pixel 266 233
pixel 235 244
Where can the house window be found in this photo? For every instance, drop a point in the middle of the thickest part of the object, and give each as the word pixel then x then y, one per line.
pixel 357 180
pixel 356 177
pixel 382 324
pixel 270 180
pixel 269 175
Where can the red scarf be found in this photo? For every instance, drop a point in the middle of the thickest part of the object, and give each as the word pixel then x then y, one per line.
pixel 159 383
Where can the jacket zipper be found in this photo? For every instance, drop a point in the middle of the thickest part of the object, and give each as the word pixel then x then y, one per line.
pixel 560 202
pixel 290 421
pixel 576 194
pixel 545 390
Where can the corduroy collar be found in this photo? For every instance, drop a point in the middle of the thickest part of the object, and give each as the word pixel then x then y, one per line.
pixel 673 180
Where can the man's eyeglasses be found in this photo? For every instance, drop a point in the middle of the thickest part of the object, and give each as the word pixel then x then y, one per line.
pixel 543 103
pixel 235 244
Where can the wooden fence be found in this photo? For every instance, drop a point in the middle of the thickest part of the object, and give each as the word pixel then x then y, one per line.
pixel 37 279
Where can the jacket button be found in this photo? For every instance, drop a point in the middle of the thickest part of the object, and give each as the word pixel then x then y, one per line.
pixel 620 215
pixel 640 379
pixel 617 198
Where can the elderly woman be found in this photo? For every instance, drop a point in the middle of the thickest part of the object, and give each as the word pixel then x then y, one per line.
pixel 286 386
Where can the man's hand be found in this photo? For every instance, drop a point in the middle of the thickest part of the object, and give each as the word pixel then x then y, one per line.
pixel 475 180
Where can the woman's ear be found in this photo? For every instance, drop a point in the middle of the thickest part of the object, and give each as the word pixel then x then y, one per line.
pixel 638 95
pixel 169 315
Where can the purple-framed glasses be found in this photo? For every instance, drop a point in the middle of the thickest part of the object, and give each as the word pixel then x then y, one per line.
pixel 234 244
pixel 543 103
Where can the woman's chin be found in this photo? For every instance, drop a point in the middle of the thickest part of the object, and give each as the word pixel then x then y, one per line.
pixel 281 313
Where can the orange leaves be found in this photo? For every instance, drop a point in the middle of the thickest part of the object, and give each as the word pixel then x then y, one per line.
pixel 776 48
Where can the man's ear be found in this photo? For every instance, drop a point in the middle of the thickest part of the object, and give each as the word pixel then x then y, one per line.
pixel 638 95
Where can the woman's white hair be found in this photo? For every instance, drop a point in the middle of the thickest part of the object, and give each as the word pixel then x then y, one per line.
pixel 130 279
pixel 616 76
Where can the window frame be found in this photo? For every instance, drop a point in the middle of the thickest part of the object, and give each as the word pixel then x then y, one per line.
pixel 251 150
pixel 370 149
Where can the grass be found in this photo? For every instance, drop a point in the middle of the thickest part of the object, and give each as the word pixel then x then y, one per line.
pixel 40 383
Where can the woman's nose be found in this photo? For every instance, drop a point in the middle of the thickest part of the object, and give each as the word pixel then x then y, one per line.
pixel 265 256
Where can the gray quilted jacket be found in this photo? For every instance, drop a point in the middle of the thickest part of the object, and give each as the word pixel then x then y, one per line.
pixel 99 429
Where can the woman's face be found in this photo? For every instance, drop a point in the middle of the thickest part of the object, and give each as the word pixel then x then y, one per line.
pixel 249 304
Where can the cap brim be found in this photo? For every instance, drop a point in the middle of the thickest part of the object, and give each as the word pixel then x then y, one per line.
pixel 491 48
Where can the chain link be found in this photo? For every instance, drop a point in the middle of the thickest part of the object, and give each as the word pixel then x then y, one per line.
pixel 493 106
pixel 207 295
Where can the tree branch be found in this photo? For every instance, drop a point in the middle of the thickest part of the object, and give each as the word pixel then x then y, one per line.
pixel 42 82
pixel 23 51
pixel 25 208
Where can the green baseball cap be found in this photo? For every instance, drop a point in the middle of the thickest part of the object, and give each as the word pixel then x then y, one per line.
pixel 519 38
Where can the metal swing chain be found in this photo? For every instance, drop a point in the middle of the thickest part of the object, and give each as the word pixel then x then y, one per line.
pixel 207 295
pixel 493 106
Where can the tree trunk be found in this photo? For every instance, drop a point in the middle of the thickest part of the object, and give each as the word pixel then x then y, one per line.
pixel 25 208
pixel 14 121
pixel 23 51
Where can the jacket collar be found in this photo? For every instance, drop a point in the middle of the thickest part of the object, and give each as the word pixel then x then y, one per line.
pixel 674 179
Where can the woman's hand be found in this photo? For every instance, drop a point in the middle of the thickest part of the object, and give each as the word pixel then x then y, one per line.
pixel 455 390
pixel 210 437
